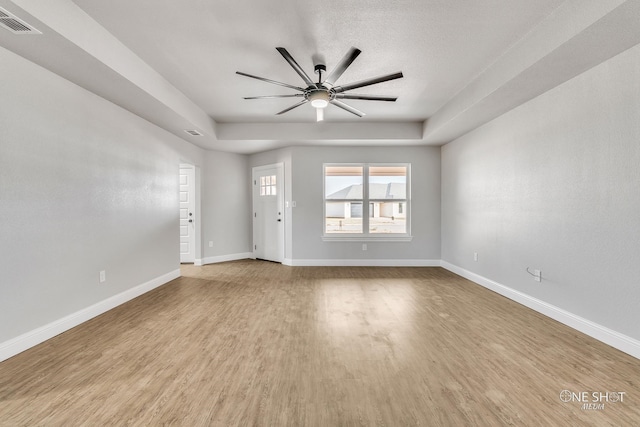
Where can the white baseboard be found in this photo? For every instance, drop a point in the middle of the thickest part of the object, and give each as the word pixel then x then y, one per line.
pixel 223 258
pixel 608 336
pixel 32 338
pixel 362 262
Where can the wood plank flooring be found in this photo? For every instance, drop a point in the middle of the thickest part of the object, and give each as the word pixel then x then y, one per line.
pixel 252 343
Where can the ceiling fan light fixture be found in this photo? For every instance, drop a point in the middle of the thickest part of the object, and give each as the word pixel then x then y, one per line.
pixel 319 98
pixel 319 103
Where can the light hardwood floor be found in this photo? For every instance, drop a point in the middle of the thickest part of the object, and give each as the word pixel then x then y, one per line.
pixel 255 343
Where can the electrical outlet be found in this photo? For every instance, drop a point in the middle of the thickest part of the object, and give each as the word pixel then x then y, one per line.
pixel 475 256
pixel 364 246
pixel 210 244
pixel 103 276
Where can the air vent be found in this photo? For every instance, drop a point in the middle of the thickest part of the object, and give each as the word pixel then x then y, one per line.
pixel 193 132
pixel 14 24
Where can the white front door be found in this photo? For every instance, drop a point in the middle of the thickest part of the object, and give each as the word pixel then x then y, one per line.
pixel 268 213
pixel 187 211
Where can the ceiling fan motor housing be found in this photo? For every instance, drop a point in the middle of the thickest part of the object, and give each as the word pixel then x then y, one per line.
pixel 319 97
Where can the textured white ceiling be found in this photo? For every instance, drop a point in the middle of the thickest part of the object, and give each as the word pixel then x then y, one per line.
pixel 199 45
pixel 465 62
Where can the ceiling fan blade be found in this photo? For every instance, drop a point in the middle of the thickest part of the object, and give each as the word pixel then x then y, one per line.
pixel 368 82
pixel 366 97
pixel 295 66
pixel 342 66
pixel 304 101
pixel 274 96
pixel 270 81
pixel 347 108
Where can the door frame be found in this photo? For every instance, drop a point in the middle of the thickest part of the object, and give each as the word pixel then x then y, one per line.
pixel 254 201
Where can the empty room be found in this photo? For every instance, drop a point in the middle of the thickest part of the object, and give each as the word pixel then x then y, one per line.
pixel 297 213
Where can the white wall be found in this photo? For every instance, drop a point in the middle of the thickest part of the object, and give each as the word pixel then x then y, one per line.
pixel 84 186
pixel 307 185
pixel 226 206
pixel 555 185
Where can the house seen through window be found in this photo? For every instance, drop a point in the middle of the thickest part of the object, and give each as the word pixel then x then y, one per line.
pixel 366 199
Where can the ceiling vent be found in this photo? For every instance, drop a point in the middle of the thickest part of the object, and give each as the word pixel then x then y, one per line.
pixel 193 132
pixel 14 24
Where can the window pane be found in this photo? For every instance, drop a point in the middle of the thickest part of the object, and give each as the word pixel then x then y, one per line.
pixel 262 181
pixel 388 217
pixel 387 182
pixel 273 190
pixel 343 217
pixel 343 183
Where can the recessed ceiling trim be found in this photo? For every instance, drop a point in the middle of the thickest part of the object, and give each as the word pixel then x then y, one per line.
pixel 14 24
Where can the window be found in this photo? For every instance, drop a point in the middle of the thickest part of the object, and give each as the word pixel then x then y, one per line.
pixel 343 199
pixel 366 201
pixel 268 185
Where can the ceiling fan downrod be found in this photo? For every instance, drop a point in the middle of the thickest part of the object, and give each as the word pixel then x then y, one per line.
pixel 318 69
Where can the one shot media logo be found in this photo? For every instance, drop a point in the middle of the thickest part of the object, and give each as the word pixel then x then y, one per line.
pixel 592 400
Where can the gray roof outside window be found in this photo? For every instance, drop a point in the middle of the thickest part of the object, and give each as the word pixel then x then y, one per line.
pixel 392 190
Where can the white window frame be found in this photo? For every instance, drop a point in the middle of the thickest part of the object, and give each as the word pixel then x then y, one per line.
pixel 366 236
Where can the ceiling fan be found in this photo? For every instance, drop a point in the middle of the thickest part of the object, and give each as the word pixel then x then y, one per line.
pixel 325 92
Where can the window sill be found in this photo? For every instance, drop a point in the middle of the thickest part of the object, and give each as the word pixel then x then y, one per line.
pixel 388 238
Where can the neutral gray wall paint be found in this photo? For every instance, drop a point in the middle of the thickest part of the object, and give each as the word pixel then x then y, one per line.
pixel 84 186
pixel 555 185
pixel 226 204
pixel 307 186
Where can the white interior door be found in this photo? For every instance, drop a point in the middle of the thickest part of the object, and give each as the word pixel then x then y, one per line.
pixel 187 212
pixel 268 213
